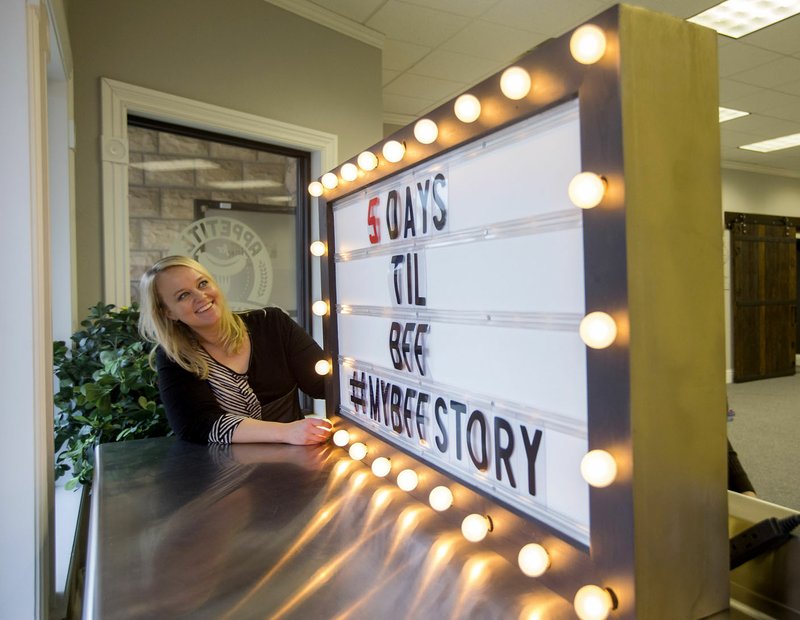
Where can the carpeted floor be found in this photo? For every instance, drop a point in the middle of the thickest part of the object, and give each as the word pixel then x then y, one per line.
pixel 766 433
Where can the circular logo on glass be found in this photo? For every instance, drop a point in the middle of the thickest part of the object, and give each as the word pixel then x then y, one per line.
pixel 234 254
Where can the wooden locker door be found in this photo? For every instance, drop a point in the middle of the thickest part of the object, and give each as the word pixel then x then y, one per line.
pixel 764 300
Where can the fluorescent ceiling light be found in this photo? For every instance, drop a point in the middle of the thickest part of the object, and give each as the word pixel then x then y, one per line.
pixel 736 18
pixel 173 165
pixel 252 184
pixel 727 114
pixel 776 144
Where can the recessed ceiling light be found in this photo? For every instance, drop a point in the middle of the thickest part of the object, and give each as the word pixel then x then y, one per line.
pixel 736 18
pixel 173 165
pixel 776 144
pixel 250 184
pixel 727 114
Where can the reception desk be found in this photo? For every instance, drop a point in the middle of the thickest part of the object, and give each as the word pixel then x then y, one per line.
pixel 274 531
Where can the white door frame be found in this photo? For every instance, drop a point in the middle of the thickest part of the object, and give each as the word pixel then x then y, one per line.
pixel 120 99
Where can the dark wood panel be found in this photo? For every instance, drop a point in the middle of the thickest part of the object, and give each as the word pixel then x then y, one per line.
pixel 764 300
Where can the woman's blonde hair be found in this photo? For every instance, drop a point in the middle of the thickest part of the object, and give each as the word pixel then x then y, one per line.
pixel 178 340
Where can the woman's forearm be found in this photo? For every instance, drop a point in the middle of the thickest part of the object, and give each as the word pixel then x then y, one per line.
pixel 258 431
pixel 300 432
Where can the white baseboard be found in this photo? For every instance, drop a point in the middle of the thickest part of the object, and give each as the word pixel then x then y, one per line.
pixel 728 375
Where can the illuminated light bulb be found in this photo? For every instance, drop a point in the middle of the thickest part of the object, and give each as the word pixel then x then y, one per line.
pixel 341 438
pixel 598 468
pixel 587 44
pixel 367 161
pixel 349 172
pixel 394 151
pixel 474 527
pixel 329 180
pixel 515 83
pixel 407 480
pixel 320 307
pixel 586 190
pixel 440 498
pixel 317 248
pixel 357 451
pixel 467 108
pixel 381 466
pixel 598 330
pixel 426 131
pixel 533 560
pixel 322 367
pixel 315 188
pixel 593 603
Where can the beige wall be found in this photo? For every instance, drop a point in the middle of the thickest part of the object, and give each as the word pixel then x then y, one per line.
pixel 246 55
pixel 749 192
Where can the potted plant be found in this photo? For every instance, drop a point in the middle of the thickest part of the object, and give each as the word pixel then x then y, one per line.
pixel 106 390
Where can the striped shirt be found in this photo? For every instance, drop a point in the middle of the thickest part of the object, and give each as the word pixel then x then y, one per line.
pixel 235 397
pixel 282 362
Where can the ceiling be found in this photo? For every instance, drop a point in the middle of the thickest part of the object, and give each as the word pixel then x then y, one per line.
pixel 435 49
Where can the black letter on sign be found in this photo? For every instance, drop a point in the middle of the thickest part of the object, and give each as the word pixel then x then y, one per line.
pixel 397 419
pixel 406 346
pixel 423 201
pixel 410 394
pixel 357 392
pixel 423 328
pixel 461 409
pixel 532 451
pixel 503 453
pixel 392 214
pixel 483 462
pixel 394 345
pixel 374 401
pixel 397 274
pixel 439 220
pixel 441 442
pixel 422 400
pixel 385 400
pixel 409 223
pixel 419 300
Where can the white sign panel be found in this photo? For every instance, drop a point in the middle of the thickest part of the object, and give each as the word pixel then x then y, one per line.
pixel 459 289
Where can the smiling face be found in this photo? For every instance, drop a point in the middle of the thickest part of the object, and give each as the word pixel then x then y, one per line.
pixel 190 297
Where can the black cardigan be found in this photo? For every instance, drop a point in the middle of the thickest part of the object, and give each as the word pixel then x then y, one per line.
pixel 282 358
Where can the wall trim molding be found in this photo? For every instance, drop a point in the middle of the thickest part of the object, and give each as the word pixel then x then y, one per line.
pixel 334 21
pixel 120 99
pixel 38 43
pixel 745 167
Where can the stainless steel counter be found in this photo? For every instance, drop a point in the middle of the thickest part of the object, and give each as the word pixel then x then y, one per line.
pixel 274 531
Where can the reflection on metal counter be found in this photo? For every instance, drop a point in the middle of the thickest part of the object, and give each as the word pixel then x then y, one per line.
pixel 767 585
pixel 276 531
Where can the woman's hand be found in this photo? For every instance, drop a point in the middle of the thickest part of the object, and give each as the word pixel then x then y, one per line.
pixel 307 432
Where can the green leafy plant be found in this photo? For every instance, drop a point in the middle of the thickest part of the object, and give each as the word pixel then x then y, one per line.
pixel 106 390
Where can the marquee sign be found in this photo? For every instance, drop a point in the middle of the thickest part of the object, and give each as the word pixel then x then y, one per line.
pixel 445 348
pixel 458 280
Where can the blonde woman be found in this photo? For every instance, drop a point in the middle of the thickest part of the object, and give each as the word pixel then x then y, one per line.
pixel 227 377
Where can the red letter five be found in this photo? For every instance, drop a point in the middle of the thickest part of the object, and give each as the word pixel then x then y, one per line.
pixel 374 221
